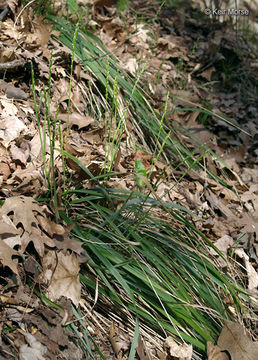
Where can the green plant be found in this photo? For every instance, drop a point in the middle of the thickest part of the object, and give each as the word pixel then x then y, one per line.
pixel 135 102
pixel 92 54
pixel 195 46
pixel 122 5
pixel 158 271
pixel 205 118
pixel 159 148
pixel 72 6
pixel 159 10
pixel 140 173
pixel 84 336
pixel 69 99
pixel 157 76
pixel 114 124
pixel 47 134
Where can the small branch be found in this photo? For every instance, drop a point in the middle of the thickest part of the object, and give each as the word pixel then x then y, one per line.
pixel 12 64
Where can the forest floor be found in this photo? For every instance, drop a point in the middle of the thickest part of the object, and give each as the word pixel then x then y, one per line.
pixel 203 64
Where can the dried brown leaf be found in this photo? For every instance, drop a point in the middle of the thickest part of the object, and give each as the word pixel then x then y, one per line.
pixel 4 170
pixel 180 352
pixel 142 350
pixel 249 224
pixel 77 119
pixel 66 243
pixel 6 254
pixel 23 209
pixel 214 352
pixel 34 350
pixel 117 341
pixel 236 341
pixel 18 155
pixel 61 272
pixel 251 273
pixel 223 244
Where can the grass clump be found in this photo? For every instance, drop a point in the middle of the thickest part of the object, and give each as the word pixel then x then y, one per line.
pixel 159 272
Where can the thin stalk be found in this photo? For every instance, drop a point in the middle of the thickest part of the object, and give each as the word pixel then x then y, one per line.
pixel 69 97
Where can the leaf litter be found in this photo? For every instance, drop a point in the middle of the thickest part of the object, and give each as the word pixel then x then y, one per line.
pixel 225 212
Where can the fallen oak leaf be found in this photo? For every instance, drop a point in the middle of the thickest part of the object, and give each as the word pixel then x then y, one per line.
pixel 50 227
pixel 7 228
pixel 214 352
pixel 77 119
pixel 235 340
pixel 6 254
pixel 39 240
pixel 64 242
pixel 22 208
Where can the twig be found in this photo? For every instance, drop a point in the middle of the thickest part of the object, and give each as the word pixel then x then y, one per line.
pixel 11 64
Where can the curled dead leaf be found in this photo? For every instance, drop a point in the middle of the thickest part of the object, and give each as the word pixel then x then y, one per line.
pixel 180 352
